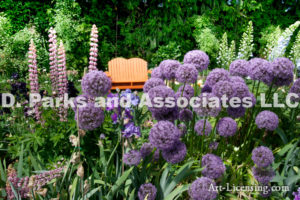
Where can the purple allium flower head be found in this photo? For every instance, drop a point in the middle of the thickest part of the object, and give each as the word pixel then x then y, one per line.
pixel 90 117
pixel 133 157
pixel 213 145
pixel 217 75
pixel 151 83
pixel 203 126
pixel 282 71
pixel 241 90
pixel 214 166
pixel 263 175
pixel 95 83
pixel 147 191
pixel 261 70
pixel 239 68
pixel 130 130
pixel 253 99
pixel 81 100
pixel 200 189
pixel 222 88
pixel 267 119
pixel 198 58
pixel 157 73
pixel 262 156
pixel 182 128
pixel 236 79
pixel 162 92
pixel 267 191
pixel 171 115
pixel 156 155
pixel 226 127
pixel 164 135
pixel 295 89
pixel 176 154
pixel 185 115
pixel 169 68
pixel 236 112
pixel 206 89
pixel 209 105
pixel 146 149
pixel 297 194
pixel 186 73
pixel 188 91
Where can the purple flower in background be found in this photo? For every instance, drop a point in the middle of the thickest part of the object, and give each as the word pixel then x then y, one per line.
pixel 235 79
pixel 263 175
pixel 114 117
pixel 222 88
pixel 198 58
pixel 157 73
pixel 261 70
pixel 169 68
pixel 239 68
pixel 206 89
pixel 146 149
pixel 266 192
pixel 282 71
pixel 200 189
pixel 182 128
pixel 102 136
pixel 171 115
pixel 297 194
pixel 267 119
pixel 176 154
pixel 188 92
pixel 217 75
pixel 262 156
pixel 95 83
pixel 164 135
pixel 241 90
pixel 130 130
pixel 133 157
pixel 296 90
pixel 186 73
pixel 253 99
pixel 214 166
pixel 80 101
pixel 151 83
pixel 213 145
pixel 147 191
pixel 209 105
pixel 203 126
pixel 89 117
pixel 226 127
pixel 134 99
pixel 112 101
pixel 236 112
pixel 185 115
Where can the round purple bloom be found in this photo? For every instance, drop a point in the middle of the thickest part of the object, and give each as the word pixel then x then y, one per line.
pixel 147 190
pixel 236 112
pixel 239 68
pixel 241 90
pixel 81 100
pixel 214 166
pixel 156 155
pixel 200 189
pixel 295 89
pixel 90 117
pixel 262 156
pixel 235 79
pixel 222 88
pixel 176 154
pixel 186 73
pixel 185 115
pixel 182 128
pixel 217 75
pixel 206 89
pixel 164 135
pixel 261 70
pixel 263 175
pixel 282 71
pixel 226 127
pixel 198 58
pixel 133 157
pixel 267 119
pixel 209 105
pixel 151 83
pixel 213 145
pixel 146 149
pixel 171 115
pixel 95 83
pixel 188 92
pixel 203 126
pixel 169 68
pixel 161 92
pixel 157 73
pixel 253 99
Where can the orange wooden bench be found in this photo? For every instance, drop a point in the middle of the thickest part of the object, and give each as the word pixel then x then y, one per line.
pixel 127 73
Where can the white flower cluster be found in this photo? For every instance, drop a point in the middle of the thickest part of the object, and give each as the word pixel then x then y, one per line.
pixel 226 53
pixel 271 41
pixel 246 44
pixel 283 42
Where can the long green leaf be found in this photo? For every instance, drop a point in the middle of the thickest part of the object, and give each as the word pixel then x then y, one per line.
pixel 179 190
pixel 20 164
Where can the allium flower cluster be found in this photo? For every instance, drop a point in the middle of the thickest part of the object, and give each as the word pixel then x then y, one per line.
pixel 262 156
pixel 170 115
pixel 176 154
pixel 213 166
pixel 186 91
pixel 206 89
pixel 217 75
pixel 200 189
pixel 93 49
pixel 151 83
pixel 239 68
pixel 209 105
pixel 261 70
pixel 146 149
pixel 282 71
pixel 186 73
pixel 236 79
pixel 164 135
pixel 133 157
pixel 147 191
pixel 236 112
pixel 95 83
pixel 185 115
pixel 295 89
pixel 198 58
pixel 241 90
pixel 222 88
pixel 267 119
pixel 263 175
pixel 297 194
pixel 182 128
pixel 89 117
pixel 53 59
pixel 203 126
pixel 169 68
pixel 157 73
